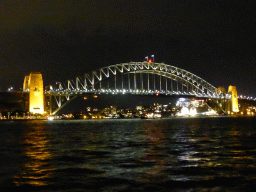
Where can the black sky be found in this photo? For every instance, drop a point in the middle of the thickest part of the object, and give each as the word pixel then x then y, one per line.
pixel 214 39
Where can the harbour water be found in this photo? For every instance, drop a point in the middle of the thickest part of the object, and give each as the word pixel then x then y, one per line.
pixel 175 154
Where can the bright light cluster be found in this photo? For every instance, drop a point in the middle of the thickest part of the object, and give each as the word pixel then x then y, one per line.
pixel 185 111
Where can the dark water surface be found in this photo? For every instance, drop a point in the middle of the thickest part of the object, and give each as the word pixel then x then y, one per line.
pixel 178 154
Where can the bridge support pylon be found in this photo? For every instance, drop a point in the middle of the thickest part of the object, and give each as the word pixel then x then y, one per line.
pixel 234 99
pixel 34 84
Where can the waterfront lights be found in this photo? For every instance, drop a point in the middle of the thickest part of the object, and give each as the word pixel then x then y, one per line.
pixel 193 112
pixel 11 88
pixel 50 118
pixel 212 113
pixel 184 112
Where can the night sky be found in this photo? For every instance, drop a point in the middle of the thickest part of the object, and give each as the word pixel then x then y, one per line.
pixel 214 39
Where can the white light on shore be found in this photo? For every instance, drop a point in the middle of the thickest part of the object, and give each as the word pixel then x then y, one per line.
pixel 187 112
pixel 50 118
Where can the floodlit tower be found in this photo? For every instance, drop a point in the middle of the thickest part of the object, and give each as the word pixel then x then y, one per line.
pixel 234 99
pixel 26 83
pixel 34 84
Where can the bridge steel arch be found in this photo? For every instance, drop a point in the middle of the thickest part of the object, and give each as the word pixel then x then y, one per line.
pixel 87 84
pixel 92 82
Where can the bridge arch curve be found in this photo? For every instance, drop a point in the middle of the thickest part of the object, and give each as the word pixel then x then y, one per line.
pixel 169 77
pixel 192 83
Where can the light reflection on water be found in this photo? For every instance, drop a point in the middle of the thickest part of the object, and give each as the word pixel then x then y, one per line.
pixel 196 153
pixel 36 168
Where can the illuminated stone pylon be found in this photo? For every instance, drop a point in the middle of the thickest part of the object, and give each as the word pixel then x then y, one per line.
pixel 25 84
pixel 34 84
pixel 234 99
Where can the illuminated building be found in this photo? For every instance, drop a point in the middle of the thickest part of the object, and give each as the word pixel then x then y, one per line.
pixel 34 84
pixel 197 103
pixel 234 99
pixel 182 102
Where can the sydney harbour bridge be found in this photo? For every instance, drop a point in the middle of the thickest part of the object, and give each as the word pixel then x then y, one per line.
pixel 141 78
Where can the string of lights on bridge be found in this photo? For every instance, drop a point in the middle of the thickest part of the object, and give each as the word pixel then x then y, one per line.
pixel 145 92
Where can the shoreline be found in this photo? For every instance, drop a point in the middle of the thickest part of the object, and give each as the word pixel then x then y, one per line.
pixel 177 117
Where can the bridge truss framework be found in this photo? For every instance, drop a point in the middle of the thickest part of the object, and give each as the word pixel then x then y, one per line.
pixel 134 78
